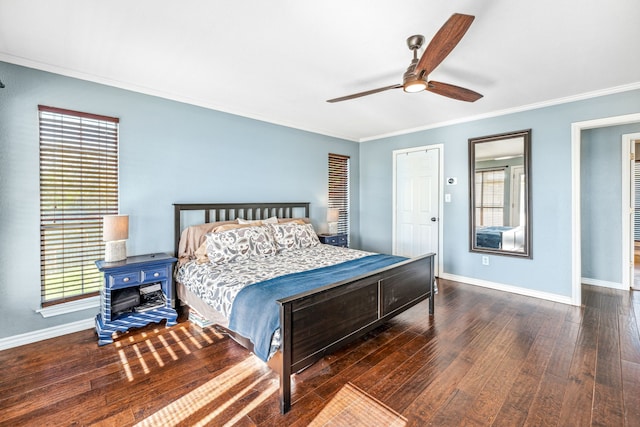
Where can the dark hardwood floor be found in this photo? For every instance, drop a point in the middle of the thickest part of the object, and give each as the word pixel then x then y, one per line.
pixel 486 358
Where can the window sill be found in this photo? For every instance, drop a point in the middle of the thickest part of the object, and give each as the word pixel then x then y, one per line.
pixel 70 307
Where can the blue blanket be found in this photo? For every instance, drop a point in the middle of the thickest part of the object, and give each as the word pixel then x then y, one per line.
pixel 255 314
pixel 490 237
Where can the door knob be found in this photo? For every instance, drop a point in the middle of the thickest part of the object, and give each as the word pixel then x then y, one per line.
pixel 434 219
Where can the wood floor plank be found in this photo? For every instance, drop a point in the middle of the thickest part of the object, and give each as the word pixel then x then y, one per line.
pixel 578 397
pixel 631 393
pixel 546 406
pixel 629 337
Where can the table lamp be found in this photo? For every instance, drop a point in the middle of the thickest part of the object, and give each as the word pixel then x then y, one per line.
pixel 115 232
pixel 333 216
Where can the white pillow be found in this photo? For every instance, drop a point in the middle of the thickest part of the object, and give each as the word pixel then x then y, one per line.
pixel 271 220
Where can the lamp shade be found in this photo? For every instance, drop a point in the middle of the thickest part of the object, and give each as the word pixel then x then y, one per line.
pixel 333 215
pixel 115 227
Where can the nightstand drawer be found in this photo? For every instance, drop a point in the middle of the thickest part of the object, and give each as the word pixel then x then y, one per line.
pixel 334 239
pixel 153 274
pixel 331 240
pixel 124 279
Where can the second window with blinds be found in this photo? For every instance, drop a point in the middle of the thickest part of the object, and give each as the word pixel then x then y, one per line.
pixel 339 190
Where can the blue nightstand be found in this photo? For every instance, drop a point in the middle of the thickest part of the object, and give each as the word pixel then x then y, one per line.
pixel 339 239
pixel 136 291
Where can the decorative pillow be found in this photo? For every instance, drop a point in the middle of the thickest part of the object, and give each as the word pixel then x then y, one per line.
pixel 201 253
pixel 271 220
pixel 193 237
pixel 240 243
pixel 291 235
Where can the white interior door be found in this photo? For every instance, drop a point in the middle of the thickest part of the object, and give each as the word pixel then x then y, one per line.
pixel 417 202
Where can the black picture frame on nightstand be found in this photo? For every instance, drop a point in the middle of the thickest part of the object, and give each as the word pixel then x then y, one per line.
pixel 136 291
pixel 339 239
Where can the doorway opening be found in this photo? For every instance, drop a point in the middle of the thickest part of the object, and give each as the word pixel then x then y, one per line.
pixel 576 259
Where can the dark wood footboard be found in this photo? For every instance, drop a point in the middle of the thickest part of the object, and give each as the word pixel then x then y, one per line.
pixel 318 322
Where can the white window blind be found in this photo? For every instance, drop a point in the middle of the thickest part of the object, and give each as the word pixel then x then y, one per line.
pixel 78 185
pixel 339 189
pixel 636 217
pixel 489 195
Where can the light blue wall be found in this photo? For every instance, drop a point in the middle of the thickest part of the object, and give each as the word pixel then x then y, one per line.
pixel 173 152
pixel 550 269
pixel 169 152
pixel 601 183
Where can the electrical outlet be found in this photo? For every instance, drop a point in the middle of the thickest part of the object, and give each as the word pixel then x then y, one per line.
pixel 485 260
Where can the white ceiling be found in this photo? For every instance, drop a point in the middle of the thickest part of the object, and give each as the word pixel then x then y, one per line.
pixel 280 60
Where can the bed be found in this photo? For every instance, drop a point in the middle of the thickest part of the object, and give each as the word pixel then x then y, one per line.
pixel 317 311
pixel 500 237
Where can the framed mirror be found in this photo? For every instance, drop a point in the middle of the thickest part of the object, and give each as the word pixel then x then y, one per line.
pixel 500 203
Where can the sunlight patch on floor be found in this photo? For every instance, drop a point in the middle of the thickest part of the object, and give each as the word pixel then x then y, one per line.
pixel 353 407
pixel 125 364
pixel 193 340
pixel 209 419
pixel 167 347
pixel 179 342
pixel 142 357
pixel 192 402
pixel 155 354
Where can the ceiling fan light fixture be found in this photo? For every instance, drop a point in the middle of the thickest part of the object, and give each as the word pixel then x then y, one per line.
pixel 412 86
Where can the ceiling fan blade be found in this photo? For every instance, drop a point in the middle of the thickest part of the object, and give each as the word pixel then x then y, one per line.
pixel 369 92
pixel 447 37
pixel 452 91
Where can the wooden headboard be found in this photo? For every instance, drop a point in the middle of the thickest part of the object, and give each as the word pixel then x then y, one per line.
pixel 212 212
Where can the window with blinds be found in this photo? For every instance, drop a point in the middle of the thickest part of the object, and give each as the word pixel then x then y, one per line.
pixel 78 185
pixel 636 215
pixel 489 195
pixel 339 189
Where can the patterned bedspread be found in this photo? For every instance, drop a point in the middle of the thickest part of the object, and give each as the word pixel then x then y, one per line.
pixel 218 284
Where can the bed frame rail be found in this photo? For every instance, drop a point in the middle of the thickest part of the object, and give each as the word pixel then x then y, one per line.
pixel 319 322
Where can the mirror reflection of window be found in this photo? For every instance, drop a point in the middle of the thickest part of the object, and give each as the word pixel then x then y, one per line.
pixel 490 197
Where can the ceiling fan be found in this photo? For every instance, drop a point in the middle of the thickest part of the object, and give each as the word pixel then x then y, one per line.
pixel 415 78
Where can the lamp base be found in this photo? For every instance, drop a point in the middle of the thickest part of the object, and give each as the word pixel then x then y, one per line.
pixel 115 251
pixel 333 228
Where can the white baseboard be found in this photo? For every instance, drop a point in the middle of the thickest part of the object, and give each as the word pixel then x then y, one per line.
pixel 603 283
pixel 43 334
pixel 508 288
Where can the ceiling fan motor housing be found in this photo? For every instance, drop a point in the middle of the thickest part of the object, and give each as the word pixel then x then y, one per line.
pixel 415 42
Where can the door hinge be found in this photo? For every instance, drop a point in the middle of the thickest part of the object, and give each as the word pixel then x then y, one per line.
pixel 632 156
